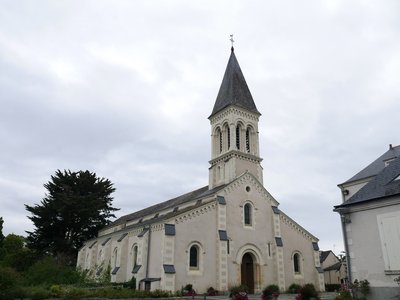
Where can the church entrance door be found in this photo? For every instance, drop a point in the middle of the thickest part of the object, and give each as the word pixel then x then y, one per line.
pixel 247 272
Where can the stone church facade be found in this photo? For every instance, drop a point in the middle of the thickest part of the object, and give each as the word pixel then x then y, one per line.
pixel 227 233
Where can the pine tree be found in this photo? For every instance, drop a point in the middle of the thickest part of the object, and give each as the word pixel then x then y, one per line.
pixel 76 206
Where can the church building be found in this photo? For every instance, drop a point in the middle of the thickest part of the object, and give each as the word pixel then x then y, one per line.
pixel 227 233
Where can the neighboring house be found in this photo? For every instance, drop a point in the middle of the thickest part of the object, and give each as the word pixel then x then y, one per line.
pixel 334 268
pixel 370 215
pixel 227 233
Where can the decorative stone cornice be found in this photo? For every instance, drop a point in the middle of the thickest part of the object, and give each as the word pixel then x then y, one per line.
pixel 248 178
pixel 206 208
pixel 291 223
pixel 238 154
pixel 235 111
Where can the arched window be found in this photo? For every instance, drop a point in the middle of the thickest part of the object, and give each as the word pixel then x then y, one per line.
pixel 228 134
pixel 194 257
pixel 247 212
pixel 238 137
pixel 134 255
pixel 220 140
pixel 248 140
pixel 297 263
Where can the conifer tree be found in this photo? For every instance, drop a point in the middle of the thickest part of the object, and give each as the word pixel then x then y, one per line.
pixel 1 231
pixel 75 207
pixel 1 238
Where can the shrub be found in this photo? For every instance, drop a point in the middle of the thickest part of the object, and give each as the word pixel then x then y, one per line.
pixel 75 293
pixel 131 284
pixel 270 291
pixel 160 294
pixel 294 288
pixel 211 291
pixel 9 284
pixel 188 290
pixel 56 290
pixel 37 293
pixel 332 287
pixel 239 292
pixel 118 293
pixel 9 278
pixel 307 292
pixel 48 272
pixel 360 287
pixel 344 295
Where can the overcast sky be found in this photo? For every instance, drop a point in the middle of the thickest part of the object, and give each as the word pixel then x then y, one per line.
pixel 124 89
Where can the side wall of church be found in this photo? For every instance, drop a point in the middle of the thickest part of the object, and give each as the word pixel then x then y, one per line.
pixel 155 253
pixel 197 228
pixel 298 242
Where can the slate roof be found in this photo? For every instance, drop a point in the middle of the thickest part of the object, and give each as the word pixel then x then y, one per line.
pixel 323 255
pixel 381 186
pixel 376 166
pixel 169 204
pixel 234 89
pixel 335 267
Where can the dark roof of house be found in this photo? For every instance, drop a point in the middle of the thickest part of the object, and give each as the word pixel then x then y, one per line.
pixel 323 255
pixel 376 166
pixel 384 184
pixel 234 89
pixel 169 204
pixel 334 267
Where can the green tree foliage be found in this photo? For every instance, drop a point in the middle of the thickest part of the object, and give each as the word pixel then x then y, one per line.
pixel 1 238
pixel 9 280
pixel 15 253
pixel 1 231
pixel 48 271
pixel 76 206
pixel 13 242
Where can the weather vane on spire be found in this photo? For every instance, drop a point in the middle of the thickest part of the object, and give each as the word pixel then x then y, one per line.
pixel 232 40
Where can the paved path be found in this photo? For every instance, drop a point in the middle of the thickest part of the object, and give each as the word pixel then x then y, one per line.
pixel 324 296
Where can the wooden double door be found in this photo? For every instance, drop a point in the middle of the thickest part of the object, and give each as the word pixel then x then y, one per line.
pixel 247 272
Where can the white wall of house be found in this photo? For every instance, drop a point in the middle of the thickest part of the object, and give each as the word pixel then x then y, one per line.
pixel 367 253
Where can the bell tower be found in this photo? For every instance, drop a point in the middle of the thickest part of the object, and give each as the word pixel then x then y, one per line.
pixel 234 129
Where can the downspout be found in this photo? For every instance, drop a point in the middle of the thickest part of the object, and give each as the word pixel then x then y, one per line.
pixel 346 245
pixel 344 233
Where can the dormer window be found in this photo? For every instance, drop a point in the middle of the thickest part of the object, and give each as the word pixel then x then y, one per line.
pixel 388 161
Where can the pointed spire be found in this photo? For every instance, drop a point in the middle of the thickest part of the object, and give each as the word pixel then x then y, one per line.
pixel 234 89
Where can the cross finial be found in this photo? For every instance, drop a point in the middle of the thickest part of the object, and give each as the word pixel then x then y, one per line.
pixel 232 41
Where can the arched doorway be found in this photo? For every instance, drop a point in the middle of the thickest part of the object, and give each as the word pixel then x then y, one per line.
pixel 247 272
